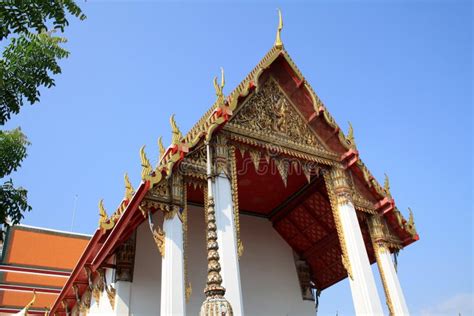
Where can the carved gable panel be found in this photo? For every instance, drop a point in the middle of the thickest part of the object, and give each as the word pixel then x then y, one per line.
pixel 269 114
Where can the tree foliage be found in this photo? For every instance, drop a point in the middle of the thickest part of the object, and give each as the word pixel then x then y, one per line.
pixel 30 56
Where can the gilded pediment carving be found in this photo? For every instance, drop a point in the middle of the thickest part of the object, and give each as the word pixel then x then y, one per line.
pixel 269 115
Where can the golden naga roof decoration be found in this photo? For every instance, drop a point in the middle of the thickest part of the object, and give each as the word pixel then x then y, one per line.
pixel 146 166
pixel 105 223
pixel 25 310
pixel 410 226
pixel 129 191
pixel 386 185
pixel 350 136
pixel 161 147
pixel 176 133
pixel 278 42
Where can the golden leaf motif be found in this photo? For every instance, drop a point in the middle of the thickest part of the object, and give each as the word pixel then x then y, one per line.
pixel 268 113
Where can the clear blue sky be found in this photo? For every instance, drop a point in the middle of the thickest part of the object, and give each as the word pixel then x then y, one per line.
pixel 400 71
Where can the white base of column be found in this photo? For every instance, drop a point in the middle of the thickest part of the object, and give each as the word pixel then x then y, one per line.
pixel 172 270
pixel 227 239
pixel 364 291
pixel 392 283
pixel 122 298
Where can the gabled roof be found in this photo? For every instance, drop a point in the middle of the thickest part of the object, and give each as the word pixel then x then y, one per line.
pixel 38 259
pixel 114 229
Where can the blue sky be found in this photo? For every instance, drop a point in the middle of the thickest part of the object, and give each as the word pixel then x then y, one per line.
pixel 400 71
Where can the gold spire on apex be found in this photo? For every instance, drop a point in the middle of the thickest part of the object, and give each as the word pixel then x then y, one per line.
pixel 176 133
pixel 219 88
pixel 278 42
pixel 161 147
pixel 129 191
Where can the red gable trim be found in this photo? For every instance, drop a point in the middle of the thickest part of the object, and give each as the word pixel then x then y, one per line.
pixel 95 256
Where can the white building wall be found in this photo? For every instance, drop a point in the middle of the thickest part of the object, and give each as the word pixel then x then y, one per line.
pixel 269 280
pixel 146 285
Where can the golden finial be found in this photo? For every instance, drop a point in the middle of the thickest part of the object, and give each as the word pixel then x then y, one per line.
pixel 102 213
pixel 350 136
pixel 161 147
pixel 176 133
pixel 410 226
pixel 129 191
pixel 219 88
pixel 24 311
pixel 146 167
pixel 386 185
pixel 278 42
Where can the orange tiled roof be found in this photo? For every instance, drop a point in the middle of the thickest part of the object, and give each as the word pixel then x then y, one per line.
pixel 52 253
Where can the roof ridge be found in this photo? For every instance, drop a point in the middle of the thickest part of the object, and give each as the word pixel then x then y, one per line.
pixel 237 90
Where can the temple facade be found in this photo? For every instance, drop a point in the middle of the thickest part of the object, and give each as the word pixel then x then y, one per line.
pixel 262 205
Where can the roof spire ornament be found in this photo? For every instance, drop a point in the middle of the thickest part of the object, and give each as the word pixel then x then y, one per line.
pixel 176 133
pixel 161 147
pixel 386 185
pixel 146 166
pixel 24 311
pixel 129 191
pixel 278 42
pixel 350 136
pixel 104 222
pixel 219 88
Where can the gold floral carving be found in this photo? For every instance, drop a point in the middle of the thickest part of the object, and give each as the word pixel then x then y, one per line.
pixel 269 113
pixel 111 293
pixel 187 284
pixel 80 305
pixel 98 286
pixel 221 158
pixel 235 200
pixel 158 236
pixel 334 184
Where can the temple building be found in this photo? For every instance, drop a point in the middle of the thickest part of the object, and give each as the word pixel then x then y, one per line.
pixel 260 207
pixel 28 270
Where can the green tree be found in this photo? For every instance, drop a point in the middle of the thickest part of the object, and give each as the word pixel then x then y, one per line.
pixel 31 52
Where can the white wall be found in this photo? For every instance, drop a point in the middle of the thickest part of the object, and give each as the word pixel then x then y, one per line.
pixel 145 295
pixel 269 281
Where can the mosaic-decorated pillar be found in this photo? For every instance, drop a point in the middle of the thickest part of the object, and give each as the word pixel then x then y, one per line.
pixel 393 291
pixel 226 226
pixel 354 254
pixel 172 265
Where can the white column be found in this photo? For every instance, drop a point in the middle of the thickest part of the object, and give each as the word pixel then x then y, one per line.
pixel 172 269
pixel 122 298
pixel 364 291
pixel 392 286
pixel 227 238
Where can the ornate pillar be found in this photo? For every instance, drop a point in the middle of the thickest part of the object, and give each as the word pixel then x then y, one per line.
pixel 354 254
pixel 172 264
pixel 124 261
pixel 226 226
pixel 393 292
